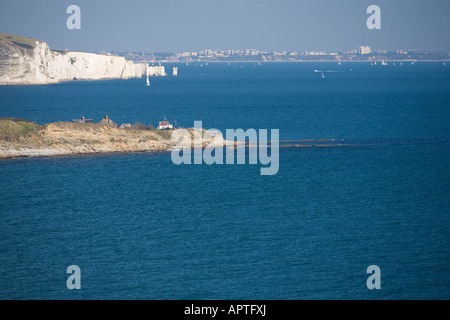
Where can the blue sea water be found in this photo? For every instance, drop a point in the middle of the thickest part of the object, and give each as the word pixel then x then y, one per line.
pixel 140 227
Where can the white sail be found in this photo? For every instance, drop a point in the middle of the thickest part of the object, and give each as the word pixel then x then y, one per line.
pixel 147 73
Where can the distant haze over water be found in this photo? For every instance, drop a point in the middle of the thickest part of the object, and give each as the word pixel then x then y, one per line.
pixel 179 25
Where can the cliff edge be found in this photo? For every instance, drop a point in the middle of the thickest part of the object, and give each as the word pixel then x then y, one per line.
pixel 30 61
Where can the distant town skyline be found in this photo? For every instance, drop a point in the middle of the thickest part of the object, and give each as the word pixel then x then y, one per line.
pixel 195 25
pixel 362 53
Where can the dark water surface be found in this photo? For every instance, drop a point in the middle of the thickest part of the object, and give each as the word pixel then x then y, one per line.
pixel 140 227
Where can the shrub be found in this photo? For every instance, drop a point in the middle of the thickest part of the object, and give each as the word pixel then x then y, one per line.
pixel 139 126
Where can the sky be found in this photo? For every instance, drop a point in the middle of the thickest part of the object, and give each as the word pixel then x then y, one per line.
pixel 193 25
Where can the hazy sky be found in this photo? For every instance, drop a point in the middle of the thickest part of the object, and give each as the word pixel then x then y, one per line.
pixel 192 25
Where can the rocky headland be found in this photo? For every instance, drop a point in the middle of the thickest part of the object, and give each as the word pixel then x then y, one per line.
pixel 22 138
pixel 27 61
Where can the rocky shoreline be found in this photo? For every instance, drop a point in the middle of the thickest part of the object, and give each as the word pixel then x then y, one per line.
pixel 25 139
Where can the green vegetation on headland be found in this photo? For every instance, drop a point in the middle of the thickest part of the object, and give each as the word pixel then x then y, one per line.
pixel 12 129
pixel 24 42
pixel 20 137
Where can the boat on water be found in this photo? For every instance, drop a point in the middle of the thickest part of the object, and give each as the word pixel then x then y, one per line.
pixel 323 76
pixel 147 82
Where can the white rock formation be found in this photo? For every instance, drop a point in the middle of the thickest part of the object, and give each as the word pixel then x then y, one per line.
pixel 25 64
pixel 156 71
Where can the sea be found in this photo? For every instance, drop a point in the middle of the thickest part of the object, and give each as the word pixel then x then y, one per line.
pixel 139 226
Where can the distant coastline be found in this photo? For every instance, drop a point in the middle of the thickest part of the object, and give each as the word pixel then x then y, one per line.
pixel 26 61
pixel 361 54
pixel 306 61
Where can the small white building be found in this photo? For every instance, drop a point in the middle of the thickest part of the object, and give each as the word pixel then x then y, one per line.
pixel 164 125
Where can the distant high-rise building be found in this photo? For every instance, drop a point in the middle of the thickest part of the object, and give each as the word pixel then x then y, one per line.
pixel 364 50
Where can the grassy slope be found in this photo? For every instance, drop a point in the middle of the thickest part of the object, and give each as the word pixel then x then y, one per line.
pixel 14 129
pixel 24 42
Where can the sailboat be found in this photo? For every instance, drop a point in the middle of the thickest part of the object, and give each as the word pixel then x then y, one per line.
pixel 323 76
pixel 147 73
pixel 339 63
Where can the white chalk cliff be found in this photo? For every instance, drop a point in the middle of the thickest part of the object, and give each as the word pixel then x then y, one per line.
pixel 29 61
